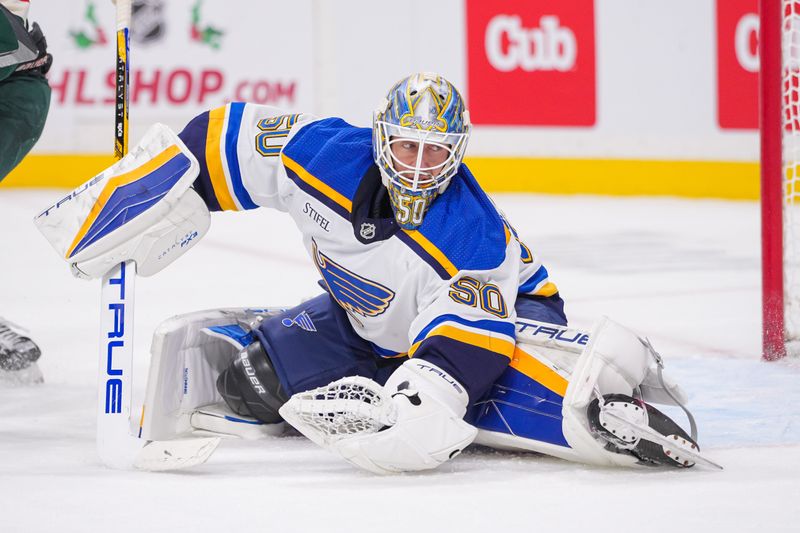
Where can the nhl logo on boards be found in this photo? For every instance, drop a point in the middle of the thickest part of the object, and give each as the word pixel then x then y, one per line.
pixel 148 22
pixel 367 231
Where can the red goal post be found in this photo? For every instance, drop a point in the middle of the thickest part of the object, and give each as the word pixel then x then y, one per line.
pixel 779 114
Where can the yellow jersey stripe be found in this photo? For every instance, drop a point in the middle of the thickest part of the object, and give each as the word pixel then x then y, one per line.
pixel 548 289
pixel 316 183
pixel 119 181
pixel 493 344
pixel 432 250
pixel 214 137
pixel 539 372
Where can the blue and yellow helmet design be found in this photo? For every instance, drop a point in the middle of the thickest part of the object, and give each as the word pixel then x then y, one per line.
pixel 420 133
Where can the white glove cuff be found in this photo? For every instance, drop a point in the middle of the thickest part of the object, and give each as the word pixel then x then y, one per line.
pixel 428 378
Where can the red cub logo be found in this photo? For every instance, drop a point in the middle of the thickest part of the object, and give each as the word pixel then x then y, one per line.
pixel 531 62
pixel 737 63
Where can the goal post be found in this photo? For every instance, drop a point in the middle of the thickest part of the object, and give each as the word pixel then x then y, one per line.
pixel 779 118
pixel 771 131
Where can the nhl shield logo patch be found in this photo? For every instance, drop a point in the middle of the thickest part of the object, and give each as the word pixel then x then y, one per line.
pixel 367 230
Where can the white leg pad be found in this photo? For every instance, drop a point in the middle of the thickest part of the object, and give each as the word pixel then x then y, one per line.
pixel 185 364
pixel 614 361
pixel 217 420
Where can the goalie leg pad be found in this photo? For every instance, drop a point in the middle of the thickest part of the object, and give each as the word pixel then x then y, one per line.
pixel 189 352
pixel 558 367
pixel 217 420
pixel 250 386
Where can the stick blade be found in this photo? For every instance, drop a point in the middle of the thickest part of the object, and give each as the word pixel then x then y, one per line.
pixel 176 454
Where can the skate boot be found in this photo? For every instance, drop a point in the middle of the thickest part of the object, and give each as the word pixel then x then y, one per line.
pixel 632 426
pixel 16 350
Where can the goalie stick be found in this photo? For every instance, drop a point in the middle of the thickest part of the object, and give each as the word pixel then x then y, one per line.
pixel 119 444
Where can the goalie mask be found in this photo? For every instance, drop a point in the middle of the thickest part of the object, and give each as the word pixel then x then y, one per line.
pixel 419 135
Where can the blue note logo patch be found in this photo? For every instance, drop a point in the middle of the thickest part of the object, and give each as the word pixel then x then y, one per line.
pixel 352 292
pixel 303 321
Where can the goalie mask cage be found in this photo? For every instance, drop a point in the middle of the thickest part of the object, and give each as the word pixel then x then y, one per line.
pixel 779 49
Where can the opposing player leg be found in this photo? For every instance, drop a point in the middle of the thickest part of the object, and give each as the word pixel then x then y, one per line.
pixel 24 103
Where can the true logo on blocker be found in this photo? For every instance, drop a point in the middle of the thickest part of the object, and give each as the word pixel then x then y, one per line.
pixel 531 62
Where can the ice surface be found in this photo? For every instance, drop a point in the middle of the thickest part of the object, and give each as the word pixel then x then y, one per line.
pixel 683 272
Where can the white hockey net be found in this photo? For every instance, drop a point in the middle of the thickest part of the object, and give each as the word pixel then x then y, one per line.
pixel 791 171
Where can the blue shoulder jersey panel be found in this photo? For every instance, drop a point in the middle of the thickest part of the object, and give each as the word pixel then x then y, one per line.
pixel 461 231
pixel 327 159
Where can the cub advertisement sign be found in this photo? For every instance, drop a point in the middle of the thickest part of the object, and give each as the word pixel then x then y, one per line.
pixel 531 62
pixel 737 64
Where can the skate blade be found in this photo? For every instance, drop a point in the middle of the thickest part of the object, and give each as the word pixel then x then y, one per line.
pixel 652 435
pixel 162 455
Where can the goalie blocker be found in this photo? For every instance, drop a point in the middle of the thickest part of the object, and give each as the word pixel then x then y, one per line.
pixel 140 209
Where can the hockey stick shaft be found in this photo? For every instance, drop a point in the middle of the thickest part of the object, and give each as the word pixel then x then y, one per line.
pixel 119 442
pixel 122 79
pixel 115 444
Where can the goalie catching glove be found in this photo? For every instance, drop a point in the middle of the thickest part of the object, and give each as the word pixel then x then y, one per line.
pixel 414 422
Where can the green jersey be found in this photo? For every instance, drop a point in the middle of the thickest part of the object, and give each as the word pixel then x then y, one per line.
pixel 16 45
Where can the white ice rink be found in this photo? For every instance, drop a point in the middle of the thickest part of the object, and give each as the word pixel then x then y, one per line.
pixel 685 273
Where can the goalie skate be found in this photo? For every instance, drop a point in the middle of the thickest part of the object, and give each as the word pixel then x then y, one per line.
pixel 634 427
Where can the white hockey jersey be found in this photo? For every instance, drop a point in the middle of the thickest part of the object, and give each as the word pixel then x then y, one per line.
pixel 445 291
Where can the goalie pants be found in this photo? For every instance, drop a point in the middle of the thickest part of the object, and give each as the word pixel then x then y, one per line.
pixel 314 344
